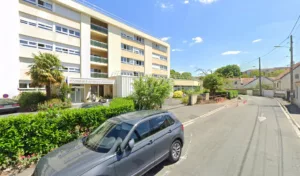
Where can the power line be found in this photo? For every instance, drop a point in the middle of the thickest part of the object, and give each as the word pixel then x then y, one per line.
pixel 295 25
pixel 284 39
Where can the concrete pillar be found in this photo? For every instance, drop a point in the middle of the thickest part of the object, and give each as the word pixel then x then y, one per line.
pixel 87 92
pixel 9 47
pixel 114 51
pixel 148 57
pixel 85 64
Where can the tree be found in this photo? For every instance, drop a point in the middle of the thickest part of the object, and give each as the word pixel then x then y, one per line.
pixel 150 92
pixel 175 75
pixel 45 70
pixel 229 71
pixel 213 82
pixel 186 75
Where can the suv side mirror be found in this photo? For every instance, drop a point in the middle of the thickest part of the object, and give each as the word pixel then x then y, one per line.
pixel 131 143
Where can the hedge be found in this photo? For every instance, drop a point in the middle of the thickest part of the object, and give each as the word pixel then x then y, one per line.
pixel 232 94
pixel 37 134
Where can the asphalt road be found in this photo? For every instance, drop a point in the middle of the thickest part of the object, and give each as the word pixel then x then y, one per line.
pixel 253 139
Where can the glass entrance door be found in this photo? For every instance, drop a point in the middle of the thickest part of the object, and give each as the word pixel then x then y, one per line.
pixel 76 95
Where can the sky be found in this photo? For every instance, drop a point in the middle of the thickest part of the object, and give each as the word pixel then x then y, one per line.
pixel 209 34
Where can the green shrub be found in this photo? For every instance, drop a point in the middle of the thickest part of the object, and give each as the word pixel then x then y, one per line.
pixel 185 100
pixel 37 134
pixel 150 92
pixel 30 100
pixel 54 103
pixel 178 94
pixel 232 94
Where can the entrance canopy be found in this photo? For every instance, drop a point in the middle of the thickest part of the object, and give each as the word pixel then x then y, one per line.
pixel 91 81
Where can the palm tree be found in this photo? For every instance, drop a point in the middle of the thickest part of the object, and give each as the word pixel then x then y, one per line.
pixel 45 70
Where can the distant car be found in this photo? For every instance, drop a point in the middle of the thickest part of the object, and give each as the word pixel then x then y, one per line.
pixel 91 105
pixel 126 145
pixel 8 105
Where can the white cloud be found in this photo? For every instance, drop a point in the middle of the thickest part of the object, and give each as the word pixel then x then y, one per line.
pixel 184 41
pixel 166 5
pixel 192 66
pixel 177 49
pixel 186 2
pixel 231 53
pixel 206 1
pixel 257 40
pixel 165 39
pixel 197 40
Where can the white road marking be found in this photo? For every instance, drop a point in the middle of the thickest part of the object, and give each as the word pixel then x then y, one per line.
pixel 187 123
pixel 290 120
pixel 261 118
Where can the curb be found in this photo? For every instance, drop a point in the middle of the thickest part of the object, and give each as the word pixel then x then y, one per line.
pixel 291 117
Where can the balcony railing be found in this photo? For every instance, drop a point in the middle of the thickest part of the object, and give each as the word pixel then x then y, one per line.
pixel 98 44
pixel 99 28
pixel 99 59
pixel 99 75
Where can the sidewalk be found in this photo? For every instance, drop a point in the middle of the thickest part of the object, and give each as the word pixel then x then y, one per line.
pixel 293 110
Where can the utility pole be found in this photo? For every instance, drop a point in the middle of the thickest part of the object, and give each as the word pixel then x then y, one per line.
pixel 292 70
pixel 260 89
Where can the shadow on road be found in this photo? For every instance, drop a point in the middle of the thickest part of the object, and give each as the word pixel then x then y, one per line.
pixel 293 109
pixel 157 168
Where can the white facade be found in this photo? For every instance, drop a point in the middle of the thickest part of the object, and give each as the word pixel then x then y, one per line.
pixel 87 43
pixel 9 44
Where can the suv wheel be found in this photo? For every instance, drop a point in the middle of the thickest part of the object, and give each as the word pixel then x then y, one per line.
pixel 175 151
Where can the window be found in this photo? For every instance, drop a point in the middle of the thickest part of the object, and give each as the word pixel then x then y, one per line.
pixel 95 70
pixel 127 73
pixel 123 59
pixel 77 34
pixel 126 47
pixel 23 85
pixel 158 124
pixel 104 137
pixel 45 26
pixel 31 1
pixel 170 119
pixel 141 132
pixel 28 43
pixel 73 69
pixel 44 4
pixel 26 21
pixel 140 63
pixel 296 76
pixel 74 52
pixel 62 30
pixel 44 46
pixel 138 39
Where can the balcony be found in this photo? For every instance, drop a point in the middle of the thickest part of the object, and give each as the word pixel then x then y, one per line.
pixel 99 28
pixel 98 44
pixel 99 75
pixel 99 59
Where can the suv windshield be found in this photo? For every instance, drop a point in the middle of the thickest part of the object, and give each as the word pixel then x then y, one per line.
pixel 105 136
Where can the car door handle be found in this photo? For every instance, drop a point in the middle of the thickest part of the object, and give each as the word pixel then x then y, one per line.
pixel 150 142
pixel 170 131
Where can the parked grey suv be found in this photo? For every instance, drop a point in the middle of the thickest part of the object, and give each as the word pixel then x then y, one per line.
pixel 129 144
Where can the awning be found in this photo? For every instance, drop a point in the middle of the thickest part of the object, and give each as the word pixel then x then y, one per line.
pixel 90 81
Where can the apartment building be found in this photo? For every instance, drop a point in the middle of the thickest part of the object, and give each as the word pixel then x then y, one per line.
pixel 93 47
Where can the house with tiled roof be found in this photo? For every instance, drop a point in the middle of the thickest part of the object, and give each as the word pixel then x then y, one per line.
pixel 264 81
pixel 238 83
pixel 283 81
